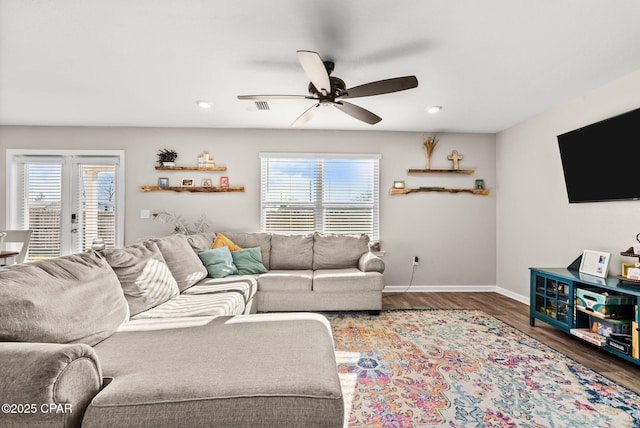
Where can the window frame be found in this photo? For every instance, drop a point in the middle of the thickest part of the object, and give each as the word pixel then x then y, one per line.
pixel 69 160
pixel 318 205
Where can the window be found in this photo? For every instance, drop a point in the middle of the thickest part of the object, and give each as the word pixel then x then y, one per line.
pixel 303 193
pixel 68 199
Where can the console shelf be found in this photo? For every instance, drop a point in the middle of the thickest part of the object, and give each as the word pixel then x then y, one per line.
pixel 430 170
pixel 553 295
pixel 191 189
pixel 438 189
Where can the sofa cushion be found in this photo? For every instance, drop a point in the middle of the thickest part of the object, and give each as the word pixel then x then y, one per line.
pixel 223 241
pixel 197 305
pixel 247 285
pixel 184 264
pixel 338 251
pixel 143 274
pixel 201 241
pixel 248 261
pixel 252 240
pixel 346 280
pixel 70 299
pixel 281 374
pixel 218 262
pixel 286 280
pixel 291 251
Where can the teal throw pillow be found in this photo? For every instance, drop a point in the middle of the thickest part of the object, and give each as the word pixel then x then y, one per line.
pixel 248 261
pixel 218 262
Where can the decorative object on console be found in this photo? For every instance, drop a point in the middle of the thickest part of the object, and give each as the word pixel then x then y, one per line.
pixel 179 223
pixel 625 267
pixel 455 158
pixel 595 263
pixel 167 157
pixel 430 144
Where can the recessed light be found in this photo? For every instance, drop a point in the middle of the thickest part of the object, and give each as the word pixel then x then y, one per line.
pixel 203 104
pixel 434 109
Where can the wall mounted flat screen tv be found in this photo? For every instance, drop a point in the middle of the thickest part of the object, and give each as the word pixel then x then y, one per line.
pixel 601 161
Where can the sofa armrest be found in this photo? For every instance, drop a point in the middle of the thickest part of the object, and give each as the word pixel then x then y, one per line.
pixel 369 262
pixel 47 384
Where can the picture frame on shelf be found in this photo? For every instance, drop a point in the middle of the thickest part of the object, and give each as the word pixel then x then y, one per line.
pixel 398 184
pixel 224 181
pixel 187 182
pixel 480 185
pixel 595 263
pixel 163 181
pixel 207 182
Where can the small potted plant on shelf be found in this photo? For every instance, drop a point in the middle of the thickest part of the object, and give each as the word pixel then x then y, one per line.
pixel 167 157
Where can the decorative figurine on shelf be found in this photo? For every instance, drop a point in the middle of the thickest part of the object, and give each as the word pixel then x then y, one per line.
pixel 430 144
pixel 206 161
pixel 455 157
pixel 167 157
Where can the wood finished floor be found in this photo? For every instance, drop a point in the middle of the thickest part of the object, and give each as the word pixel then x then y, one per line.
pixel 516 314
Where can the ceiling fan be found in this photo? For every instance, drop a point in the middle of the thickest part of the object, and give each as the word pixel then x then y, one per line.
pixel 330 91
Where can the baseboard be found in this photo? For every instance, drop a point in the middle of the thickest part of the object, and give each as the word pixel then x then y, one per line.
pixel 438 288
pixel 456 289
pixel 515 296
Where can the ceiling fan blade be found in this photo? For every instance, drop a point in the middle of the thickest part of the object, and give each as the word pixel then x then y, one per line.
pixel 382 87
pixel 274 97
pixel 316 72
pixel 358 112
pixel 306 116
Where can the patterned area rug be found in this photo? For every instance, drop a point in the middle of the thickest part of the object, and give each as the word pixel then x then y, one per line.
pixel 464 368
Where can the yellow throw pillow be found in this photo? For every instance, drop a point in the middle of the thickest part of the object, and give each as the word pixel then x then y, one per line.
pixel 223 241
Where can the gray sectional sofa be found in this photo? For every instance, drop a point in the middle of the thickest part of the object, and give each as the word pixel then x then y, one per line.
pixel 315 272
pixel 140 337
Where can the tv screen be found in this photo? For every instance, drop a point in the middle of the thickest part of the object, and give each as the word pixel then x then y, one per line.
pixel 601 161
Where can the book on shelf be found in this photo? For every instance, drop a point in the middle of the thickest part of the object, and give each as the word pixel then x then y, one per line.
pixel 587 335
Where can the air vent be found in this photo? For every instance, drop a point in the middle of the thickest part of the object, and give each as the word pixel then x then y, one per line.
pixel 262 105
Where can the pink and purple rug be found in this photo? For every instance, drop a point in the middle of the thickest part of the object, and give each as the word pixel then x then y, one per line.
pixel 464 368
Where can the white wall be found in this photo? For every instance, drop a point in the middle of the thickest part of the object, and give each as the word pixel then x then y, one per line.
pixel 536 224
pixel 453 234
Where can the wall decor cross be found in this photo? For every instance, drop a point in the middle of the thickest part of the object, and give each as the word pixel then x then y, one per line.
pixel 455 157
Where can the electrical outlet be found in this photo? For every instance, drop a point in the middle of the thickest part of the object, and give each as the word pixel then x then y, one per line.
pixel 416 261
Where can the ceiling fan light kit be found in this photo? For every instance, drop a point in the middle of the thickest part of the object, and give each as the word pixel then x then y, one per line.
pixel 203 104
pixel 329 90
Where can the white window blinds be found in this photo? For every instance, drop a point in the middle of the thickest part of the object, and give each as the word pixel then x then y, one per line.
pixel 303 193
pixel 41 207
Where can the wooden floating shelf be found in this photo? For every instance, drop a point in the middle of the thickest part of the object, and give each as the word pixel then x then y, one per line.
pixel 454 171
pixel 191 168
pixel 442 190
pixel 191 189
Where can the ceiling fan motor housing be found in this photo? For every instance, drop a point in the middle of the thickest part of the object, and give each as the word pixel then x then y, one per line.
pixel 338 87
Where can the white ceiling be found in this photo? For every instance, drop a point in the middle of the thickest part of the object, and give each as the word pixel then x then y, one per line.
pixel 490 64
